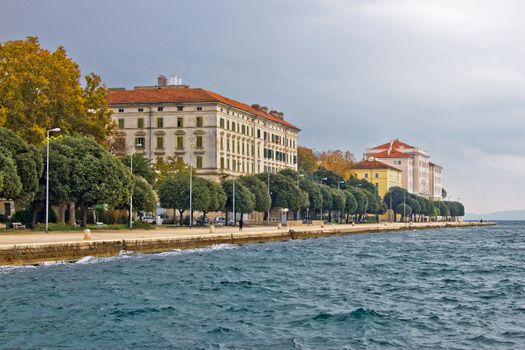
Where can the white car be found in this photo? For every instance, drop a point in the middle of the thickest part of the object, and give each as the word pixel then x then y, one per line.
pixel 148 219
pixel 221 221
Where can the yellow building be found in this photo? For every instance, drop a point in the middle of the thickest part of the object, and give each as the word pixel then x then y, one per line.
pixel 382 175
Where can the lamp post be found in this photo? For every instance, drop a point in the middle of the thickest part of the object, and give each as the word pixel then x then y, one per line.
pixel 323 179
pixel 47 175
pixel 138 145
pixel 233 204
pixel 191 191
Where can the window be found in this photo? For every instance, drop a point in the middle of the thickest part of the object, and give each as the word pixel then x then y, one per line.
pixel 228 124
pixel 140 123
pixel 222 143
pixel 221 123
pixel 160 122
pixel 180 142
pixel 180 122
pixel 141 109
pixel 377 176
pixel 199 141
pixel 228 144
pixel 160 109
pixel 233 126
pixel 222 163
pixel 160 142
pixel 199 122
pixel 366 175
pixel 243 129
pixel 139 142
pixel 199 162
pixel 120 144
pixel 199 108
pixel 121 123
pixel 180 108
pixel 120 110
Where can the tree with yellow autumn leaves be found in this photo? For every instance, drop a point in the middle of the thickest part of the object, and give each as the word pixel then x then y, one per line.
pixel 41 89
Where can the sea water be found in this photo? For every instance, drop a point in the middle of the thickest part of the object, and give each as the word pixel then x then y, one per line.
pixel 458 288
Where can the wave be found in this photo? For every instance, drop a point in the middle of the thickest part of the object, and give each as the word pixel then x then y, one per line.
pixel 357 314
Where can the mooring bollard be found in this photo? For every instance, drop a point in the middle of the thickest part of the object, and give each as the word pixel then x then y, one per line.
pixel 212 228
pixel 279 226
pixel 87 234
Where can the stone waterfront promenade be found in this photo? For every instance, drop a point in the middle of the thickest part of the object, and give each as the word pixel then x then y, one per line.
pixel 27 247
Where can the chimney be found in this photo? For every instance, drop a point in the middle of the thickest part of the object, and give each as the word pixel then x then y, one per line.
pixel 281 115
pixel 162 81
pixel 277 114
pixel 263 109
pixel 255 106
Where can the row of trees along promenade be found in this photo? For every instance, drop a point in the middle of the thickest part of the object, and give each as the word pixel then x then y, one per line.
pixel 41 90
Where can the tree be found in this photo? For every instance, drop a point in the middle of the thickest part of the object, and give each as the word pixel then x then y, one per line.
pixel 29 166
pixel 244 199
pixel 11 183
pixel 313 191
pixel 361 199
pixel 307 162
pixel 144 198
pixel 372 201
pixel 173 193
pixel 350 204
pixel 326 194
pixel 285 193
pixel 362 183
pixel 141 167
pixel 443 209
pixel 170 167
pixel 40 90
pixel 404 210
pixel 87 173
pixel 413 203
pixel 340 162
pixel 394 197
pixel 259 189
pixel 217 198
pixel 332 178
pixel 338 202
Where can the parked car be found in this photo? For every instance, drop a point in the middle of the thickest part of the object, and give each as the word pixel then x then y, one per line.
pixel 148 219
pixel 220 220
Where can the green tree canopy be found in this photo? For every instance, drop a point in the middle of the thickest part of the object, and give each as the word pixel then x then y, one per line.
pixel 313 190
pixel 11 185
pixel 141 167
pixel 244 199
pixel 350 203
pixel 338 200
pixel 403 209
pixel 259 188
pixel 332 178
pixel 361 198
pixel 144 198
pixel 28 163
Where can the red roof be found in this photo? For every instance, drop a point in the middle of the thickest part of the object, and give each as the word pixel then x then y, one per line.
pixel 374 164
pixel 394 144
pixel 183 95
pixel 391 154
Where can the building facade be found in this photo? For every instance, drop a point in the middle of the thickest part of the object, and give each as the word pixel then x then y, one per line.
pixel 436 181
pixel 414 164
pixel 221 137
pixel 380 174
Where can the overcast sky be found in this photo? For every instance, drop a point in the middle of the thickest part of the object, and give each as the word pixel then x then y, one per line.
pixel 447 76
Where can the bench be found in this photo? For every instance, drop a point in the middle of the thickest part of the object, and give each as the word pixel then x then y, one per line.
pixel 18 225
pixel 100 224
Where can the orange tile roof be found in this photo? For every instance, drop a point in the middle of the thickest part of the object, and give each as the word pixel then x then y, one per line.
pixel 394 144
pixel 391 154
pixel 183 95
pixel 374 164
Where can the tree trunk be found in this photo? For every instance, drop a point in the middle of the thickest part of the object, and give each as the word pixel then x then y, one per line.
pixel 72 219
pixel 181 217
pixel 62 213
pixel 84 216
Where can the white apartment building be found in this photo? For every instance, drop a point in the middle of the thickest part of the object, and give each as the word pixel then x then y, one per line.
pixel 418 173
pixel 436 181
pixel 220 136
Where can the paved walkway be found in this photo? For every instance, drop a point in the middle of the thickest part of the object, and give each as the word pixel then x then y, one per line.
pixel 11 238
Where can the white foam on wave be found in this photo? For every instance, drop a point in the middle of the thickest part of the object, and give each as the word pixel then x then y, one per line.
pixel 123 254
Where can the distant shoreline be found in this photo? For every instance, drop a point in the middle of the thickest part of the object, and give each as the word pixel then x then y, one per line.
pixel 157 242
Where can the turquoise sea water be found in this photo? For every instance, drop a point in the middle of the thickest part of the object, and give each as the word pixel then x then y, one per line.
pixel 451 288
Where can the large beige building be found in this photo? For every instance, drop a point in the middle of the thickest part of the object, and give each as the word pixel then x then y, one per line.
pixel 420 176
pixel 220 136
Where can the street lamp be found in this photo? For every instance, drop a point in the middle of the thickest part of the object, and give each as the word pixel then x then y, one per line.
pixel 47 175
pixel 233 203
pixel 323 179
pixel 138 145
